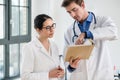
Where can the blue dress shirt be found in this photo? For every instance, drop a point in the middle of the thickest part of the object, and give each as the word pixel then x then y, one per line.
pixel 84 27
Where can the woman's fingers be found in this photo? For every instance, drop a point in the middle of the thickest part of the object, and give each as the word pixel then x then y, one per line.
pixel 60 73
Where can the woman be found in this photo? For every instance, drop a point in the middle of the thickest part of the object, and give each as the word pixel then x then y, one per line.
pixel 40 59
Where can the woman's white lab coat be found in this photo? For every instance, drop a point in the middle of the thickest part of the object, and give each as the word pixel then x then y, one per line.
pixel 37 62
pixel 98 66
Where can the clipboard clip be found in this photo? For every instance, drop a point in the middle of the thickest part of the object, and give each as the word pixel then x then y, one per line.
pixel 92 42
pixel 88 42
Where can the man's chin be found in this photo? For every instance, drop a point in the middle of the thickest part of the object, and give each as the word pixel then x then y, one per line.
pixel 76 19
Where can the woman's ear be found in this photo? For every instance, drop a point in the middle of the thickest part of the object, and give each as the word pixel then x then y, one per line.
pixel 38 30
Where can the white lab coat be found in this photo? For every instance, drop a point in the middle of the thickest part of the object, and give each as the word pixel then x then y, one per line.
pixel 98 66
pixel 37 62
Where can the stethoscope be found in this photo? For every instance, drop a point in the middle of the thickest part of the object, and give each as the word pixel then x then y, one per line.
pixel 75 35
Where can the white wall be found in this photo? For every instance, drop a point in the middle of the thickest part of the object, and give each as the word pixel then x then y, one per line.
pixel 63 20
pixel 38 7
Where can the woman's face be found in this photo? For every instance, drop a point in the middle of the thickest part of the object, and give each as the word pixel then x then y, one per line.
pixel 48 29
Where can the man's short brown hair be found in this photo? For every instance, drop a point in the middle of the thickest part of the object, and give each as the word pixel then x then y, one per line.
pixel 65 3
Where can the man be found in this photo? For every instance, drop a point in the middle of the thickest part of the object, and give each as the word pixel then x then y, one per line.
pixel 89 26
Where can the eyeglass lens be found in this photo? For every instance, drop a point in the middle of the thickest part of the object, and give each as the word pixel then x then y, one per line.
pixel 51 27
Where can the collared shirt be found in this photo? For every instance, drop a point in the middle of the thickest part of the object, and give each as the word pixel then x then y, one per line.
pixel 84 27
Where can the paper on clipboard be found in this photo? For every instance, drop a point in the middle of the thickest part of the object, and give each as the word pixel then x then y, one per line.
pixel 81 51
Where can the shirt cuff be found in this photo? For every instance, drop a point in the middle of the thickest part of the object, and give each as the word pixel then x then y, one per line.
pixel 88 35
pixel 70 69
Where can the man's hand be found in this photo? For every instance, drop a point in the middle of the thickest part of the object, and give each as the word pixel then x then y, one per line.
pixel 74 62
pixel 80 39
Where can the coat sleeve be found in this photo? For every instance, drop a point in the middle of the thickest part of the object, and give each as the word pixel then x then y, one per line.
pixel 105 29
pixel 27 72
pixel 67 42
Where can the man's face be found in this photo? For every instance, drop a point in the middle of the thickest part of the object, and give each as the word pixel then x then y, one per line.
pixel 76 11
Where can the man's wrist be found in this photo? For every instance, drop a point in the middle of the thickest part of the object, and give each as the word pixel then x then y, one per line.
pixel 88 35
pixel 71 69
pixel 84 34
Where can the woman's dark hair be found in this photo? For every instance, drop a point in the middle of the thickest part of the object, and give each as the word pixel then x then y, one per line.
pixel 39 20
pixel 65 3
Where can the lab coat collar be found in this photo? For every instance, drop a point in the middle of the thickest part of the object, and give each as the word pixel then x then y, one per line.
pixel 40 45
pixel 37 42
pixel 43 50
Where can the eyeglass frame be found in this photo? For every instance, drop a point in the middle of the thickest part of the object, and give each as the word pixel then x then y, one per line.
pixel 50 27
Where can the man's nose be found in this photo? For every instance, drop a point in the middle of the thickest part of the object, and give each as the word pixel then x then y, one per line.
pixel 72 14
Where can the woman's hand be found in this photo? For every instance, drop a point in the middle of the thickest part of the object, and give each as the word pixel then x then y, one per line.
pixel 56 73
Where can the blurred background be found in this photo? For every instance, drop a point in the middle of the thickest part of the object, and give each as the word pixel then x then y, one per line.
pixel 16 28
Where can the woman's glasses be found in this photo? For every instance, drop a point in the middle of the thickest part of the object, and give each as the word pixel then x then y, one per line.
pixel 50 27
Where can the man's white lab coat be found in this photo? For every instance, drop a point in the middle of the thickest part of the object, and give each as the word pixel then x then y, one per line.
pixel 98 66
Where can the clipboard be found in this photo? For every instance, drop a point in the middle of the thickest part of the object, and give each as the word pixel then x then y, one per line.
pixel 81 51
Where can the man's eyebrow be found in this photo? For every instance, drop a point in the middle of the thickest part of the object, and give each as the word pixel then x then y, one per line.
pixel 71 10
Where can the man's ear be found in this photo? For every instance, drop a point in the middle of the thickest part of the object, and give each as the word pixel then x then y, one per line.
pixel 82 5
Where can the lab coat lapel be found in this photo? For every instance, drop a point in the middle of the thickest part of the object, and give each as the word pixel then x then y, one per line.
pixel 43 50
pixel 54 55
pixel 93 24
pixel 77 29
